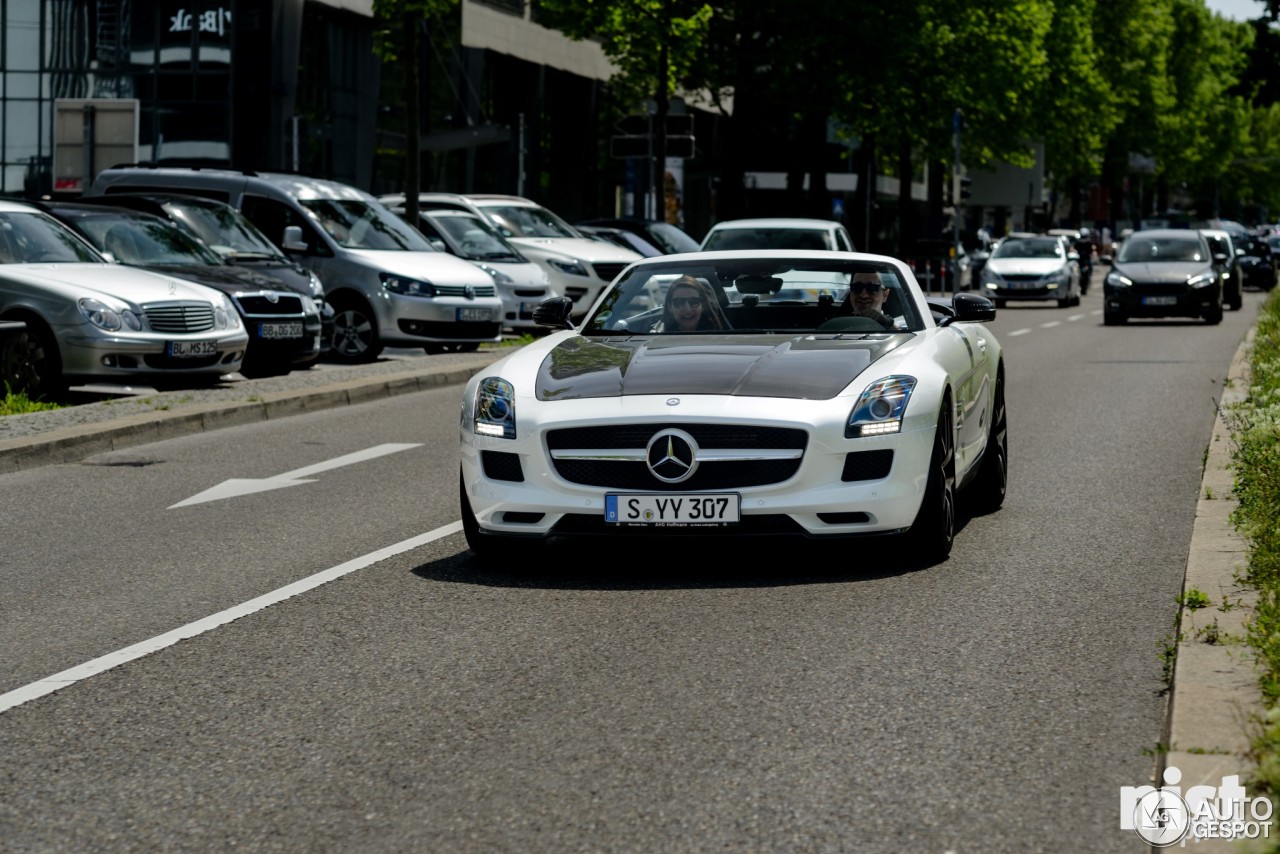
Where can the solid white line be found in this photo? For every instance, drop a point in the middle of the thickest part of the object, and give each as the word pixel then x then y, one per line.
pixel 1051 324
pixel 1076 317
pixel 113 659
pixel 1096 311
pixel 1018 332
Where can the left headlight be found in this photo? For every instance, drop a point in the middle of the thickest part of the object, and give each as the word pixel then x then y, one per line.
pixel 315 286
pixel 499 277
pixel 225 315
pixel 1203 280
pixel 495 409
pixel 879 409
pixel 567 265
pixel 105 317
pixel 405 286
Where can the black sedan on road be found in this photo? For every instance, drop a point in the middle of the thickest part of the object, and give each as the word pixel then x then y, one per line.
pixel 1163 273
pixel 283 325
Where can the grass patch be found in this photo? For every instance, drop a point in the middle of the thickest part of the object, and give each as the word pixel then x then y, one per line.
pixel 17 403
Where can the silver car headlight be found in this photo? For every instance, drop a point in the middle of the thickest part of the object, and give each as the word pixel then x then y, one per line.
pixel 566 265
pixel 316 286
pixel 225 315
pixel 499 277
pixel 991 278
pixel 309 306
pixel 406 286
pixel 105 317
pixel 879 409
pixel 495 409
pixel 1116 280
pixel 1202 281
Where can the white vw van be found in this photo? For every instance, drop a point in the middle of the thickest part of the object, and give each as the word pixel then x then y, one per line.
pixel 388 286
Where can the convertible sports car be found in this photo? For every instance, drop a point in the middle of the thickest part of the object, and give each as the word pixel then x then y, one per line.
pixel 798 416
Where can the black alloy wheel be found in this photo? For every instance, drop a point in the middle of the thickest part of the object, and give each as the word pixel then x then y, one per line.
pixel 933 531
pixel 988 490
pixel 31 364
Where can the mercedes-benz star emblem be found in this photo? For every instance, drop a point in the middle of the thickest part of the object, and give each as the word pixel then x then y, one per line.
pixel 672 456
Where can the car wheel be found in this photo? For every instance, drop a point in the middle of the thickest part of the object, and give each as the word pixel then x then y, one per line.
pixel 1113 318
pixel 934 527
pixel 1214 315
pixel 993 477
pixel 32 364
pixel 355 332
pixel 252 369
pixel 999 303
pixel 435 349
pixel 1237 301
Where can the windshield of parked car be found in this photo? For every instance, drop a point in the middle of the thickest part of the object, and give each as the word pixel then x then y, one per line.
pixel 672 238
pixel 774 295
pixel 224 229
pixel 31 238
pixel 1139 249
pixel 1028 247
pixel 528 221
pixel 472 237
pixel 356 224
pixel 144 241
pixel 759 237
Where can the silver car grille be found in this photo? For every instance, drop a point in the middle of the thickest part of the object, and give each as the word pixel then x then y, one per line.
pixel 179 316
pixel 461 290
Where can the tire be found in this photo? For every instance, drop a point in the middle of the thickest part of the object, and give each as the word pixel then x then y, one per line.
pixel 988 490
pixel 481 545
pixel 1113 318
pixel 355 332
pixel 1214 315
pixel 1237 301
pixel 252 369
pixel 934 528
pixel 436 349
pixel 32 364
pixel 999 303
pixel 1065 302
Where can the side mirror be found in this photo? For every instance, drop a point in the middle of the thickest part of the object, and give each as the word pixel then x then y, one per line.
pixel 973 308
pixel 438 244
pixel 293 241
pixel 554 312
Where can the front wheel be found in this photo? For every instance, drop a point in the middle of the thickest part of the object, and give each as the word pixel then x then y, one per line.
pixel 355 332
pixel 989 489
pixel 934 528
pixel 1213 316
pixel 1113 318
pixel 32 365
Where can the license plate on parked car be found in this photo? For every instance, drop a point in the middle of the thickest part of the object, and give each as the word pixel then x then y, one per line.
pixel 709 509
pixel 280 330
pixel 1159 300
pixel 191 349
pixel 475 314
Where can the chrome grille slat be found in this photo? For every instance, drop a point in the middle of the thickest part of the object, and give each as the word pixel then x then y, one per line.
pixel 179 317
pixel 461 290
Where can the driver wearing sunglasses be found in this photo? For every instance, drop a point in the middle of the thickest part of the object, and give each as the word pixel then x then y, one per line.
pixel 690 307
pixel 867 295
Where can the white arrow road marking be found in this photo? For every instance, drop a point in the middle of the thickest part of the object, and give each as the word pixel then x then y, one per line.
pixel 237 487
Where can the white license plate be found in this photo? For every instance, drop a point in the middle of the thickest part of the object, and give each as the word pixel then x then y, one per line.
pixel 475 314
pixel 527 307
pixel 280 330
pixel 1159 300
pixel 191 349
pixel 709 509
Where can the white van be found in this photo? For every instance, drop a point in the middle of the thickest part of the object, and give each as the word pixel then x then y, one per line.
pixel 387 284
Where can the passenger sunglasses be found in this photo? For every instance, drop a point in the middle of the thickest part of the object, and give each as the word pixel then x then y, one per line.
pixel 681 302
pixel 865 287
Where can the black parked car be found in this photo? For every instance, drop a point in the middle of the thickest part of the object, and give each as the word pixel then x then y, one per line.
pixel 669 239
pixel 229 233
pixel 1258 263
pixel 283 326
pixel 1163 273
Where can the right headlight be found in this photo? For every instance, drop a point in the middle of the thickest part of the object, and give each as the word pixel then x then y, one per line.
pixel 494 413
pixel 1116 280
pixel 1203 280
pixel 879 409
pixel 105 317
pixel 568 265
pixel 225 315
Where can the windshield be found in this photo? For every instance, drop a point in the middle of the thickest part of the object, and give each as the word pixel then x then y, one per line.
pixel 29 238
pixel 1139 249
pixel 744 296
pixel 1028 247
pixel 767 238
pixel 672 238
pixel 473 238
pixel 528 221
pixel 145 241
pixel 356 224
pixel 223 229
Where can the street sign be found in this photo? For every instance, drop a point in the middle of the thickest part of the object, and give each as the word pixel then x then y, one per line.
pixel 678 124
pixel 639 145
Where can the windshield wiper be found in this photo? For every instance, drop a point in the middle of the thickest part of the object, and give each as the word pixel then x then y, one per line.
pixel 252 256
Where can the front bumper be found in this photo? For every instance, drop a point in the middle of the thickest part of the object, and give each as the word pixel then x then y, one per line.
pixel 415 321
pixel 112 356
pixel 1162 300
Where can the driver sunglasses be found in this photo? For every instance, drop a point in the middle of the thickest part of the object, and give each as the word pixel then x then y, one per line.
pixel 865 287
pixel 681 302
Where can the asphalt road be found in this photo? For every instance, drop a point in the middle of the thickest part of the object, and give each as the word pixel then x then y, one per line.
pixel 781 697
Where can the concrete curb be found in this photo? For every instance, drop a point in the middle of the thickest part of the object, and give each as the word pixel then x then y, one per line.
pixel 1214 697
pixel 71 444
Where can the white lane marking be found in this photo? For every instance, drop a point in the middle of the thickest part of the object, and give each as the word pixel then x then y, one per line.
pixel 1096 311
pixel 1015 333
pixel 247 486
pixel 1051 324
pixel 113 659
pixel 1076 317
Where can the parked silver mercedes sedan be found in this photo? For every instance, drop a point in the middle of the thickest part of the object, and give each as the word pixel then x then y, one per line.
pixel 90 320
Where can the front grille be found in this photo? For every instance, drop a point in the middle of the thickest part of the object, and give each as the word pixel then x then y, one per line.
pixel 461 290
pixel 179 316
pixel 1021 277
pixel 867 465
pixel 1024 292
pixel 259 304
pixel 540 292
pixel 502 465
pixel 610 271
pixel 1172 289
pixel 575 293
pixel 582 524
pixel 634 474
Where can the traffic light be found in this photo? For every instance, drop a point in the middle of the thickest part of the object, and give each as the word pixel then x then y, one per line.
pixel 966 185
